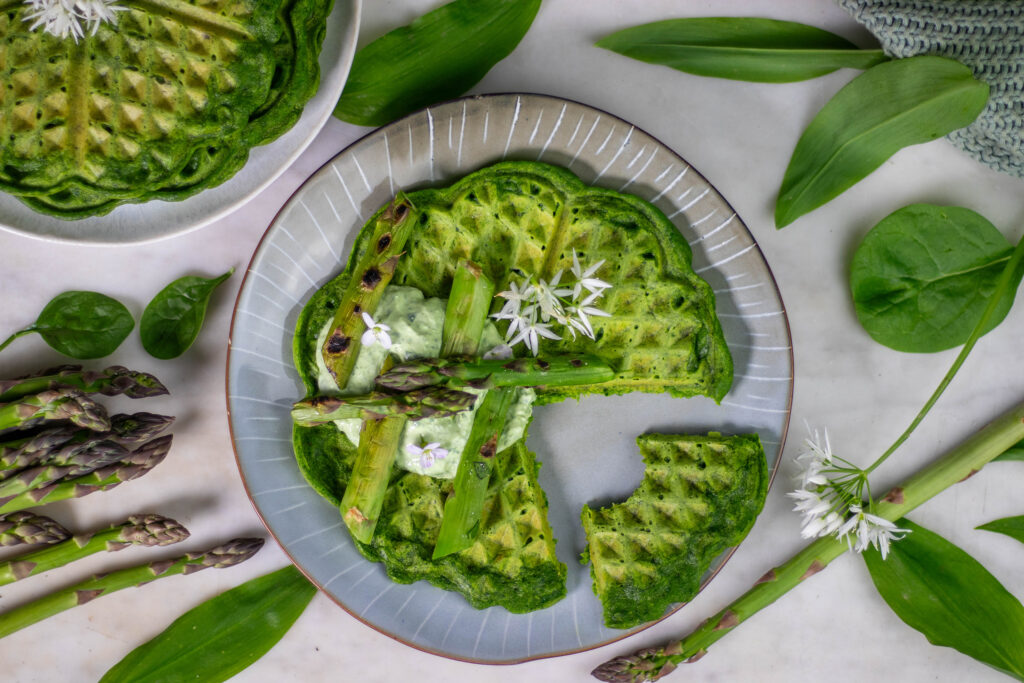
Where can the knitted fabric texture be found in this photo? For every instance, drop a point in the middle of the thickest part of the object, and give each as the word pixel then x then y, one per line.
pixel 987 36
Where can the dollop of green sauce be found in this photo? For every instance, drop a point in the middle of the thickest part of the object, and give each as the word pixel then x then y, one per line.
pixel 415 323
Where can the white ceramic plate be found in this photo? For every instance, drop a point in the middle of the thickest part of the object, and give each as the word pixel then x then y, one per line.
pixel 587 448
pixel 156 219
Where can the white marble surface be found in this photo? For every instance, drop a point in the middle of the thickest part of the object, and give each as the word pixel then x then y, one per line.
pixel 739 135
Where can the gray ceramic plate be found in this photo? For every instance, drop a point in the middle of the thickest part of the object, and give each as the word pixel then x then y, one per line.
pixel 587 448
pixel 157 219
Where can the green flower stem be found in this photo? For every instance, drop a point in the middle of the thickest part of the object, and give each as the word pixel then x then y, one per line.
pixel 997 295
pixel 226 555
pixel 960 463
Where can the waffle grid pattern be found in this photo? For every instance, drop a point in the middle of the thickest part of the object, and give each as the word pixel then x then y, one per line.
pixel 163 103
pixel 518 218
pixel 699 496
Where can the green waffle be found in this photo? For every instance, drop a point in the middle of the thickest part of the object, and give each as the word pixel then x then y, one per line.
pixel 160 105
pixel 511 564
pixel 699 496
pixel 531 216
pixel 526 216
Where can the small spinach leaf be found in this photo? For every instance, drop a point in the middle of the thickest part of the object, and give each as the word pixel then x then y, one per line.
pixel 741 48
pixel 922 277
pixel 81 324
pixel 1011 526
pixel 1013 453
pixel 938 589
pixel 222 636
pixel 890 106
pixel 173 318
pixel 437 57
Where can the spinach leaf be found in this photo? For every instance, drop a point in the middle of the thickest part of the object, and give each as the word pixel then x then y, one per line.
pixel 81 324
pixel 922 277
pixel 437 57
pixel 741 48
pixel 173 318
pixel 1014 453
pixel 222 636
pixel 1011 526
pixel 938 589
pixel 888 107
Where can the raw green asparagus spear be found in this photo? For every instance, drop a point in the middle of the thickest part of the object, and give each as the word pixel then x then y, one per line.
pixel 468 305
pixel 54 404
pixel 364 494
pixel 415 405
pixel 109 382
pixel 141 530
pixel 227 555
pixel 552 371
pixel 28 528
pixel 49 446
pixel 135 428
pixel 68 463
pixel 371 275
pixel 25 450
pixel 134 465
pixel 652 663
pixel 460 524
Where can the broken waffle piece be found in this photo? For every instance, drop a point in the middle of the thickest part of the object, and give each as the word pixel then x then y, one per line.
pixel 699 496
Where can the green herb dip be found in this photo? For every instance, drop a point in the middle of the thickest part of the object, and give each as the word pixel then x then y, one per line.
pixel 415 324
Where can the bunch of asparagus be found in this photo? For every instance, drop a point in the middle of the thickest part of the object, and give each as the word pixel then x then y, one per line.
pixel 57 442
pixel 428 388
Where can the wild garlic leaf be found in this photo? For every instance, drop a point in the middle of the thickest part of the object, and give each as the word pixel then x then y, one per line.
pixel 741 48
pixel 890 106
pixel 222 636
pixel 439 56
pixel 922 277
pixel 1011 526
pixel 938 589
pixel 1014 453
pixel 172 320
pixel 81 324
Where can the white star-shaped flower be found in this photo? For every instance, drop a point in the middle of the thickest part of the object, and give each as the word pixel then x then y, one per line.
pixel 531 333
pixel 63 18
pixel 585 278
pixel 376 333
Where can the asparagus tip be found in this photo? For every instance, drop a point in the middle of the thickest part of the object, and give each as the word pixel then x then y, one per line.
pixel 153 530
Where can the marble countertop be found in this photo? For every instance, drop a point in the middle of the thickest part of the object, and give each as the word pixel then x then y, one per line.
pixel 739 136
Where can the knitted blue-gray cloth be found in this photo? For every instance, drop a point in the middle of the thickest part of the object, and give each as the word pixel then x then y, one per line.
pixel 987 36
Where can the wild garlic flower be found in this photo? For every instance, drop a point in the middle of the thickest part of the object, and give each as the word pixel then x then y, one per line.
pixel 869 530
pixel 533 308
pixel 831 500
pixel 427 454
pixel 376 333
pixel 63 18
